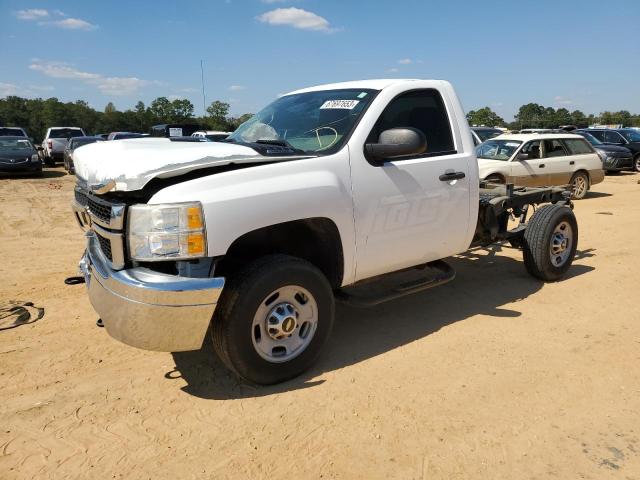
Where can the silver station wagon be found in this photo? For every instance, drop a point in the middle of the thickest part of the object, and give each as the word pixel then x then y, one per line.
pixel 541 160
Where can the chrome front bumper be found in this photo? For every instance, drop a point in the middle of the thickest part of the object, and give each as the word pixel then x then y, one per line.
pixel 147 309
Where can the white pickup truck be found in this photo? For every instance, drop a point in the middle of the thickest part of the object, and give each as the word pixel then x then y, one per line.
pixel 336 191
pixel 55 141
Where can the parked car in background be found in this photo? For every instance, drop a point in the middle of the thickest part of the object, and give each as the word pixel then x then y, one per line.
pixel 125 135
pixel 71 147
pixel 213 135
pixel 103 136
pixel 18 154
pixel 174 130
pixel 55 141
pixel 13 132
pixel 480 134
pixel 541 159
pixel 624 137
pixel 614 157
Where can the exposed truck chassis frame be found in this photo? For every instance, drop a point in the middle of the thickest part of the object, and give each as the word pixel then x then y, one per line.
pixel 499 202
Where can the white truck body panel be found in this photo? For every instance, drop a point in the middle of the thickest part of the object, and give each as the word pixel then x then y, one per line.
pixel 240 201
pixel 129 162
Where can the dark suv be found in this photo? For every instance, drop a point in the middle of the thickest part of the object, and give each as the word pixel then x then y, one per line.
pixel 624 137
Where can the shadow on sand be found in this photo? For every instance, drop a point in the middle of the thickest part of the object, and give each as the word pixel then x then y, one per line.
pixel 484 283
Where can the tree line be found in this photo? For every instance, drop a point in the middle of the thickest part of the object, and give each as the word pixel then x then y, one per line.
pixel 533 115
pixel 35 115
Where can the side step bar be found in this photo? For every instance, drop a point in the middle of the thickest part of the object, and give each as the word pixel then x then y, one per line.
pixel 397 284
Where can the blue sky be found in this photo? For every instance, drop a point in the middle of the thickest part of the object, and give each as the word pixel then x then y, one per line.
pixel 579 54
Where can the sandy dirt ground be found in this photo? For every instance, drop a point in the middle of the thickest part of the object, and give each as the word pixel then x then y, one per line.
pixel 493 376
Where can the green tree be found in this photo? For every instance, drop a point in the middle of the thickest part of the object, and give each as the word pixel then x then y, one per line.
pixel 161 109
pixel 485 117
pixel 182 109
pixel 530 115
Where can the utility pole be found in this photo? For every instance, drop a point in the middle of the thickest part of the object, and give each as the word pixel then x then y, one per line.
pixel 204 98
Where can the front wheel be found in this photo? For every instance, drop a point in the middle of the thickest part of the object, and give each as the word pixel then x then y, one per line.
pixel 550 242
pixel 273 319
pixel 636 163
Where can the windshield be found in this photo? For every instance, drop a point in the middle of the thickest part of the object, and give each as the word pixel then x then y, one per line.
pixel 591 139
pixel 9 132
pixel 65 133
pixel 631 135
pixel 78 142
pixel 312 122
pixel 15 144
pixel 497 149
pixel 487 134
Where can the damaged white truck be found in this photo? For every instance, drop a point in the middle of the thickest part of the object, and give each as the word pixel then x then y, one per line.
pixel 354 191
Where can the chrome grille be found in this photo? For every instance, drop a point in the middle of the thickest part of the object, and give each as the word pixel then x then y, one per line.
pixel 105 246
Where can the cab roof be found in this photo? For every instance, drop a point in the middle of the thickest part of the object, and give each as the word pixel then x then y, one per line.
pixel 374 84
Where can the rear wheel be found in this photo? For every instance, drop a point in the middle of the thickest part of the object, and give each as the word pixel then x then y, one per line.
pixel 636 163
pixel 550 242
pixel 273 319
pixel 495 179
pixel 579 185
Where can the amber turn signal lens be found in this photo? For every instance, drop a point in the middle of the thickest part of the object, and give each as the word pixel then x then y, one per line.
pixel 195 244
pixel 194 218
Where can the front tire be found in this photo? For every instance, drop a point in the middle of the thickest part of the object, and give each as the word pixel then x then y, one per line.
pixel 636 163
pixel 550 242
pixel 579 185
pixel 273 319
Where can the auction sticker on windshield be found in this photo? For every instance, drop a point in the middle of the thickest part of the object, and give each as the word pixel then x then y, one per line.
pixel 343 104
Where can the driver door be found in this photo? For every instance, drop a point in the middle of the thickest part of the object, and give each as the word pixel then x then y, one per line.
pixel 530 171
pixel 405 214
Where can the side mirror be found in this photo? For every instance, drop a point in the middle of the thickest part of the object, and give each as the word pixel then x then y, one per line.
pixel 522 156
pixel 397 142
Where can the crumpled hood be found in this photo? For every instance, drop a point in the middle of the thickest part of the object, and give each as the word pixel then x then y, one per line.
pixel 612 148
pixel 126 165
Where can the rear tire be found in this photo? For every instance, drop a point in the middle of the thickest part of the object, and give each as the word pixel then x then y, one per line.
pixel 550 242
pixel 495 179
pixel 245 326
pixel 579 185
pixel 636 163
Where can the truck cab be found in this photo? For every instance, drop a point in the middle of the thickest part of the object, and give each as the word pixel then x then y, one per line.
pixel 325 189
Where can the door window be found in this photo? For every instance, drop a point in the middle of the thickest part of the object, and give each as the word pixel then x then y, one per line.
pixel 554 148
pixel 599 134
pixel 421 109
pixel 532 149
pixel 577 146
pixel 613 137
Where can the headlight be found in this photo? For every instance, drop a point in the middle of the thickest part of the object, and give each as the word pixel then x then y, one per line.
pixel 167 231
pixel 35 158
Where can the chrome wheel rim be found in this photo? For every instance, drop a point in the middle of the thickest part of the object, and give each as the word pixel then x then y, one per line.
pixel 638 164
pixel 561 243
pixel 284 324
pixel 579 186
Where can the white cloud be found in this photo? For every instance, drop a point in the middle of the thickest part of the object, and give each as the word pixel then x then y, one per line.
pixel 273 1
pixel 189 90
pixel 45 17
pixel 296 18
pixel 563 101
pixel 107 85
pixel 32 14
pixel 237 88
pixel 73 24
pixel 405 61
pixel 8 89
pixel 392 70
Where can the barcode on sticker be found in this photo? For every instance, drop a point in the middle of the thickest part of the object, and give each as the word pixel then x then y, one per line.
pixel 345 104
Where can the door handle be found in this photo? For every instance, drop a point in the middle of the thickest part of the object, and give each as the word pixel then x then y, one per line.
pixel 449 176
pixel 541 165
pixel 572 162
